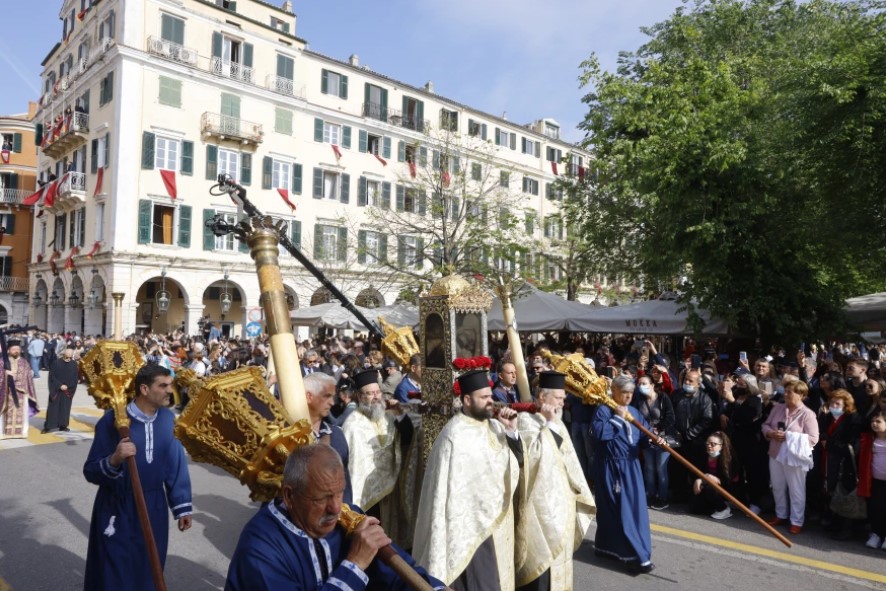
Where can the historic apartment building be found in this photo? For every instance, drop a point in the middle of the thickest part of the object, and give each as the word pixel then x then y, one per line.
pixel 146 101
pixel 18 174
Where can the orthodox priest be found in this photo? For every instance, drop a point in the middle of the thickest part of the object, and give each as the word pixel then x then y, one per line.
pixel 63 378
pixel 378 443
pixel 464 532
pixel 555 508
pixel 117 557
pixel 14 418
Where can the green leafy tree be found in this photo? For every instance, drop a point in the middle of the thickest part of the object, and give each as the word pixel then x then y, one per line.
pixel 740 157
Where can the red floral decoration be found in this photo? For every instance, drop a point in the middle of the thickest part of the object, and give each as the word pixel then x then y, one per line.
pixel 471 363
pixel 456 389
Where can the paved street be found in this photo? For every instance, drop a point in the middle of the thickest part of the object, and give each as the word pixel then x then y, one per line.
pixel 45 506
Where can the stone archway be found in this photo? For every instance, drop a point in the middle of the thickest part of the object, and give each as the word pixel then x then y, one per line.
pixel 4 315
pixel 74 306
pixel 370 298
pixel 55 320
pixel 95 303
pixel 230 323
pixel 148 317
pixel 39 304
pixel 321 296
pixel 291 298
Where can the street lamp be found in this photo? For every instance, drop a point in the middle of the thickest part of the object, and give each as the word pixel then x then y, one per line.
pixel 92 298
pixel 225 299
pixel 53 299
pixel 37 299
pixel 163 298
pixel 73 299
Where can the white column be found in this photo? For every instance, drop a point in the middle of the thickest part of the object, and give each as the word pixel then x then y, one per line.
pixel 93 320
pixel 56 318
pixel 193 313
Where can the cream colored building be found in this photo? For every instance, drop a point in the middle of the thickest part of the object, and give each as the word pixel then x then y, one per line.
pixel 147 101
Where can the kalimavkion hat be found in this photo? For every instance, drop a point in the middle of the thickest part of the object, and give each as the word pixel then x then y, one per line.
pixel 552 380
pixel 365 378
pixel 13 343
pixel 472 381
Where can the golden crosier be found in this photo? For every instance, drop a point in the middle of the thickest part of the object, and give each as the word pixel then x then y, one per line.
pixel 581 380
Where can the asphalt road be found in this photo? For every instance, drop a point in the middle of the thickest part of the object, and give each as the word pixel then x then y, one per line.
pixel 45 507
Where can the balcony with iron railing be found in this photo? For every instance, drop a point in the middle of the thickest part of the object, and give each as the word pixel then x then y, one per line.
pixel 285 86
pixel 13 196
pixel 69 132
pixel 71 191
pixel 13 283
pixel 226 127
pixel 172 51
pixel 66 83
pixel 234 70
pixel 394 117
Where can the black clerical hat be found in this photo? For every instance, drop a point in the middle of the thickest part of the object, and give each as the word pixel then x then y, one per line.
pixel 13 343
pixel 365 378
pixel 472 381
pixel 552 380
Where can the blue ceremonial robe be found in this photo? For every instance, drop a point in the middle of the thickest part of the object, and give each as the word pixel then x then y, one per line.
pixel 117 557
pixel 274 554
pixel 622 517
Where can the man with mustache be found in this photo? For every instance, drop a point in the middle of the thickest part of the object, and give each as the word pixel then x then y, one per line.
pixel 544 546
pixel 465 528
pixel 14 419
pixel 295 543
pixel 379 446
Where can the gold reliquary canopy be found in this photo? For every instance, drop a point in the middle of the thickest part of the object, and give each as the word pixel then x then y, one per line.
pixel 461 294
pixel 399 343
pixel 581 380
pixel 234 422
pixel 110 368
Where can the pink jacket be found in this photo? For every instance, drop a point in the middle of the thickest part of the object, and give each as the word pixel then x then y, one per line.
pixel 802 420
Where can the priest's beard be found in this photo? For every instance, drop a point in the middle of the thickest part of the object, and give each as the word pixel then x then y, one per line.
pixel 374 411
pixel 482 413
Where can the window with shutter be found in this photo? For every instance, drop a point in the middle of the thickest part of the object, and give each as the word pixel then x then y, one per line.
pixel 208 236
pixel 148 143
pixel 184 226
pixel 187 162
pixel 170 92
pixel 166 153
pixel 334 83
pixel 283 121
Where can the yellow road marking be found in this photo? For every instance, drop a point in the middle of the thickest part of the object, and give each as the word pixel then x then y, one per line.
pixel 819 564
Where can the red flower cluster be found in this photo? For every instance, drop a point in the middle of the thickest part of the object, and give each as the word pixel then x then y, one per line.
pixel 471 363
pixel 456 389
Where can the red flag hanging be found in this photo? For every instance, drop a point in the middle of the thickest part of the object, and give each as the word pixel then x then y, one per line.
pixel 581 173
pixel 94 250
pixel 554 168
pixel 382 160
pixel 98 181
pixel 69 262
pixel 169 181
pixel 82 14
pixel 337 152
pixel 446 178
pixel 284 193
pixel 412 170
pixel 4 155
pixel 49 199
pixel 33 198
pixel 39 258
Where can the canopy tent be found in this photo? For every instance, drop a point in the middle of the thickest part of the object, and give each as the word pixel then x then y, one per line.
pixel 868 312
pixel 334 315
pixel 539 311
pixel 649 317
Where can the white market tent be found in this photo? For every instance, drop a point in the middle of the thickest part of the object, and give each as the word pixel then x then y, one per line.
pixel 539 311
pixel 868 312
pixel 334 315
pixel 649 317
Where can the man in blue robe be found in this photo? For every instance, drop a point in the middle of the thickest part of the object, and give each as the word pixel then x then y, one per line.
pixel 320 393
pixel 295 542
pixel 117 557
pixel 622 517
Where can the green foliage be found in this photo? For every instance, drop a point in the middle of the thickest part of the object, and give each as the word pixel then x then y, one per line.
pixel 741 154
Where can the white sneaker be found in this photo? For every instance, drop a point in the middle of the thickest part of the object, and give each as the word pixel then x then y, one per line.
pixel 755 509
pixel 873 542
pixel 724 514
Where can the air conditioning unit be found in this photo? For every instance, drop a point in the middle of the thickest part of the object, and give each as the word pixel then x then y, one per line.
pixel 159 47
pixel 188 56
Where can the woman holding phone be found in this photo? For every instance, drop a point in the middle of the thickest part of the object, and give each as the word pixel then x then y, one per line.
pixel 792 431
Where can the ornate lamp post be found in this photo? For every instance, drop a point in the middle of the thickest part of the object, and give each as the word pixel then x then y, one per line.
pixel 162 297
pixel 225 300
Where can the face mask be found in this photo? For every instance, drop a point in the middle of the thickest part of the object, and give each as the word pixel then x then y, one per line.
pixel 739 391
pixel 689 388
pixel 646 390
pixel 836 412
pixel 714 454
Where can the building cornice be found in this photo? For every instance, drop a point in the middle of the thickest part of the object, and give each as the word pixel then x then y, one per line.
pixel 231 14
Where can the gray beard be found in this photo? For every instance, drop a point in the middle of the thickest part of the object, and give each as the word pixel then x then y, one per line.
pixel 374 411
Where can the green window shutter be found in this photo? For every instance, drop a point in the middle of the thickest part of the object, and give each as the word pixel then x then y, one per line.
pixel 345 188
pixel 17 143
pixel 296 180
pixel 242 246
pixel 38 134
pixel 232 6
pixel 285 67
pixel 318 129
pixel 386 195
pixel 497 136
pixel 245 168
pixel 346 136
pixel 383 248
pixel 211 163
pixel 343 87
pixel 401 198
pixel 9 228
pixel 230 105
pixel 318 183
pixel 170 92
pixel 384 104
pixel 13 181
pixel 361 246
pixel 341 246
pixel 420 116
pixel 216 45
pixel 456 165
pixel 247 55
pixel 401 151
pixel 423 156
pixel 401 252
pixel 419 253
pixel 148 140
pixel 513 141
pixel 318 242
pixel 324 81
pixel 267 172
pixel 144 221
pixel 110 90
pixel 361 192
pixel 549 190
pixel 422 203
pixel 483 130
pixel 187 157
pixel 184 226
pixel 295 233
pixel 456 207
pixel 476 171
pixel 363 141
pixel 435 159
pixel 107 150
pixel 94 157
pixel 283 121
pixel 208 236
pixel 537 149
pixel 386 147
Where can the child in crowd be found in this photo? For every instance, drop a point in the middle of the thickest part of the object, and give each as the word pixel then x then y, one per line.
pixel 872 478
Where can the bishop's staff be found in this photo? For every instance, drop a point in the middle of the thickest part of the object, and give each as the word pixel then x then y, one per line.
pixel 583 382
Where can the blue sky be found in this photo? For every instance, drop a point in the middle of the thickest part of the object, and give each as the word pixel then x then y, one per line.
pixel 515 56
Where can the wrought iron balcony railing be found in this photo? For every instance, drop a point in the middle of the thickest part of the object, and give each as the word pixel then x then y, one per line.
pixel 13 196
pixel 285 86
pixel 228 69
pixel 227 127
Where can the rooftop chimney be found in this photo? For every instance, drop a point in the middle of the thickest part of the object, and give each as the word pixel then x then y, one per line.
pixel 430 87
pixel 287 6
pixel 354 60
